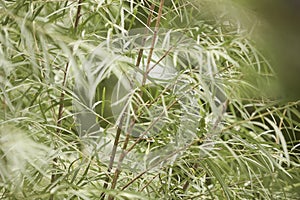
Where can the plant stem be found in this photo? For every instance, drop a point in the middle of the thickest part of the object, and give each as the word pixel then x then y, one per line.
pixel 78 14
pixel 54 175
pixel 119 129
pixel 113 155
pixel 124 152
pixel 153 166
pixel 149 20
pixel 153 41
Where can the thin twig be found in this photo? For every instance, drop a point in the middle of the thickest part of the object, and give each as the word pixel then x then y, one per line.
pixel 224 107
pixel 113 155
pixel 172 154
pixel 153 40
pixel 161 160
pixel 123 154
pixel 149 20
pixel 119 129
pixel 148 183
pixel 157 119
pixel 54 175
pixel 215 126
pixel 159 60
pixel 78 15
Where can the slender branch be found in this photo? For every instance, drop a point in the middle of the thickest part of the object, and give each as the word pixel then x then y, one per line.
pixel 119 129
pixel 153 40
pixel 224 106
pixel 160 59
pixel 149 20
pixel 135 178
pixel 215 126
pixel 153 166
pixel 174 153
pixel 54 175
pixel 156 120
pixel 123 154
pixel 78 14
pixel 113 155
pixel 148 183
pixel 121 158
pixel 126 151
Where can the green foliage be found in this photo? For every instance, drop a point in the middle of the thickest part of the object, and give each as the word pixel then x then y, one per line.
pixel 81 118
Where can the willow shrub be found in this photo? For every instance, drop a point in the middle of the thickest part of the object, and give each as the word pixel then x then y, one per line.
pixel 140 100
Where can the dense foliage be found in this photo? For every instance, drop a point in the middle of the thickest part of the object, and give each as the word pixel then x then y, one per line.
pixel 140 100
